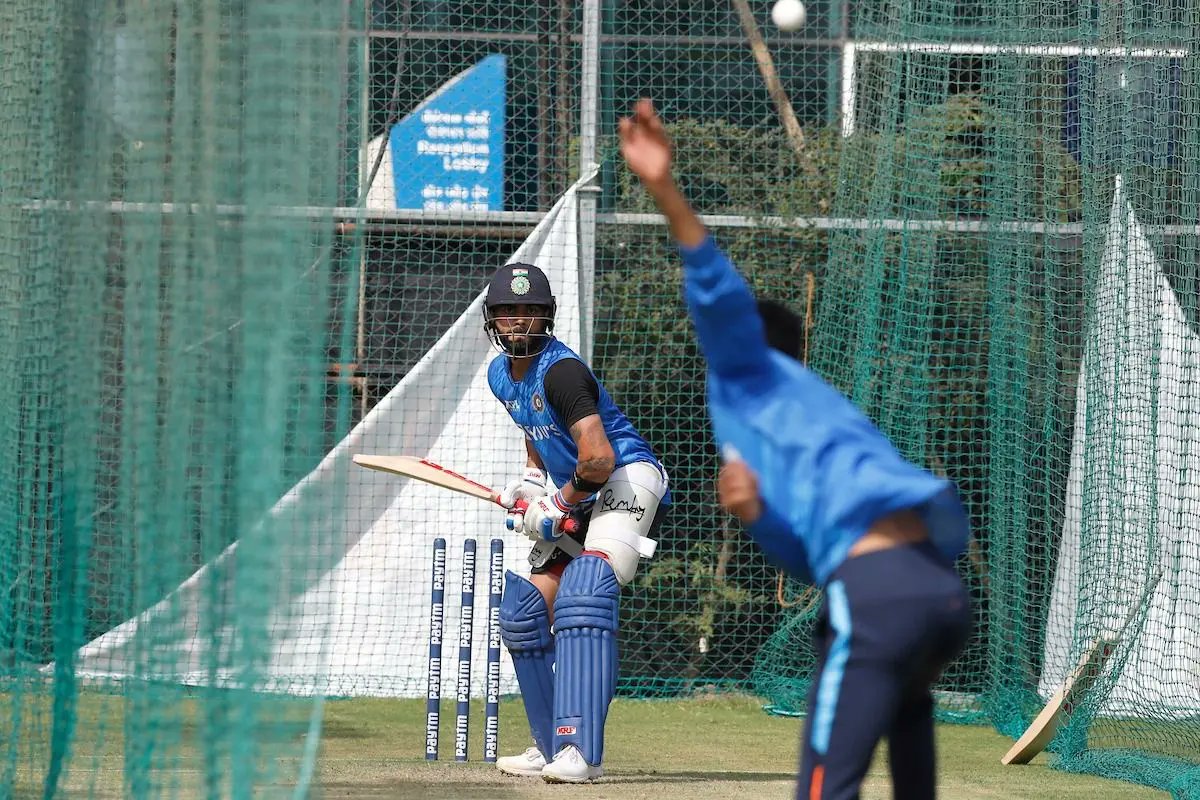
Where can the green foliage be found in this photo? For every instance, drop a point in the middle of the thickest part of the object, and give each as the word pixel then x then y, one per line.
pixel 965 136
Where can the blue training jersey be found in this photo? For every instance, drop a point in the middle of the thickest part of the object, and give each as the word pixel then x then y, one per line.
pixel 825 472
pixel 526 403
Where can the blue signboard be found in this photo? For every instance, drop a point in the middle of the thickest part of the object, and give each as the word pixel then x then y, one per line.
pixel 448 153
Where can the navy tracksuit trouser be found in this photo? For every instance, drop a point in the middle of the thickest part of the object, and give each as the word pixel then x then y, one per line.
pixel 890 621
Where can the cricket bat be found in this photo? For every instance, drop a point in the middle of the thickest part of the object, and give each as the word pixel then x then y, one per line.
pixel 1060 706
pixel 428 472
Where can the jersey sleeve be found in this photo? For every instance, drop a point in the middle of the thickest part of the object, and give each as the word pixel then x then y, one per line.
pixel 724 314
pixel 773 535
pixel 571 390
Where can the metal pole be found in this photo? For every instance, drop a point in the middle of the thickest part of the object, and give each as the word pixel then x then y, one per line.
pixel 589 115
pixel 546 191
pixel 363 187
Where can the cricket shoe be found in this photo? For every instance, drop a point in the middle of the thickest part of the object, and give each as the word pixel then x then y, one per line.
pixel 569 767
pixel 527 765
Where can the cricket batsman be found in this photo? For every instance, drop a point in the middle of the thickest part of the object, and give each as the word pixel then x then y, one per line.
pixel 584 461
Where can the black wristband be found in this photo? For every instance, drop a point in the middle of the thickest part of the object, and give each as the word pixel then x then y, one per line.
pixel 581 485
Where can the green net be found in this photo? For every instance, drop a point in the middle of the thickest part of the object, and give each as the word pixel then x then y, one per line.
pixel 167 311
pixel 241 241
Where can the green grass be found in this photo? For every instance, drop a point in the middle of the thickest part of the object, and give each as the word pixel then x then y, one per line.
pixel 716 747
pixel 720 746
pixel 1178 738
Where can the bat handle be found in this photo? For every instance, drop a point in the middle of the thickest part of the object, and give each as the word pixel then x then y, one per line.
pixel 569 525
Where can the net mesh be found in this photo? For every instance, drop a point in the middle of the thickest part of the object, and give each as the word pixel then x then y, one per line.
pixel 985 213
pixel 164 363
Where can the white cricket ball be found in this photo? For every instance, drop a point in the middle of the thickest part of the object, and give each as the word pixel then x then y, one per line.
pixel 788 15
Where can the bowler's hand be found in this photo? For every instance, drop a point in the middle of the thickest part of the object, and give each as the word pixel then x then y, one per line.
pixel 737 491
pixel 645 145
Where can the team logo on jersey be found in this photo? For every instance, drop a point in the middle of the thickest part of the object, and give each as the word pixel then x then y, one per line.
pixel 565 730
pixel 537 402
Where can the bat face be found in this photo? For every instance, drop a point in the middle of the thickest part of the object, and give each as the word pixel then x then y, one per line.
pixel 1091 664
pixel 428 472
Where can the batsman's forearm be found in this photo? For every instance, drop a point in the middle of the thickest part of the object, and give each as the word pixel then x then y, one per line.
pixel 686 227
pixel 595 469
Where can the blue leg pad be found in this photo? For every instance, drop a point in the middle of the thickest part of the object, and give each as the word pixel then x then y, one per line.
pixel 585 628
pixel 525 630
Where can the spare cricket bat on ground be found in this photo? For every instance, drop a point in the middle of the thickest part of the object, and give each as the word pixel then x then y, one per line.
pixel 1060 706
pixel 428 472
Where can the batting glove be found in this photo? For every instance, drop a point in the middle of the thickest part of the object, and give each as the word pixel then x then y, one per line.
pixel 545 516
pixel 529 486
